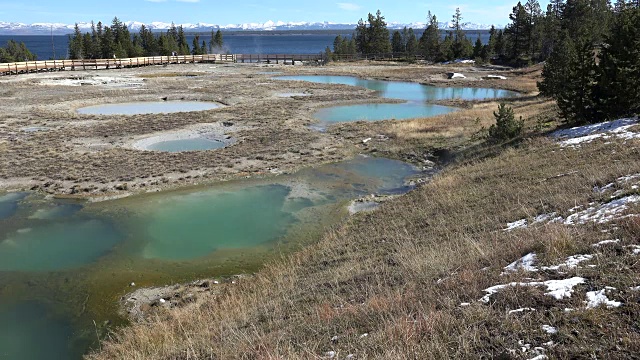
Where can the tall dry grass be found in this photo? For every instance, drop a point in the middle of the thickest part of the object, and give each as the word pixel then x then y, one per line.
pixel 388 285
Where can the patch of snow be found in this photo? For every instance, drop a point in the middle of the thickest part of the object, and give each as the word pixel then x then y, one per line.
pixel 521 310
pixel 571 262
pixel 461 61
pixel 540 357
pixel 606 242
pixel 635 249
pixel 559 289
pixel 551 217
pixel 602 213
pixel 364 335
pixel 525 263
pixel 516 225
pixel 637 288
pixel 330 354
pixel 585 134
pixel 456 76
pixel 496 77
pixel 549 329
pixel 597 298
pixel 603 189
pixel 465 304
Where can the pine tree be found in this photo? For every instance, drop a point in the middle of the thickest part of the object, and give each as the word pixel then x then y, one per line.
pixel 618 86
pixel 411 43
pixel 397 43
pixel 183 46
pixel 518 32
pixel 76 48
pixel 534 34
pixel 506 126
pixel 430 40
pixel 477 49
pixel 218 40
pixel 462 48
pixel 378 35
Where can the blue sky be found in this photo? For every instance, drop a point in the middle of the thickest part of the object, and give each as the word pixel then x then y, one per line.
pixel 246 11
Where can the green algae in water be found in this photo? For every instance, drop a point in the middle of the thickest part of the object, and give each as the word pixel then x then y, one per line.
pixel 28 331
pixel 9 204
pixel 194 225
pixel 57 245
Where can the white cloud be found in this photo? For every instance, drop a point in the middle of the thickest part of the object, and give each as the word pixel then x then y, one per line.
pixel 349 6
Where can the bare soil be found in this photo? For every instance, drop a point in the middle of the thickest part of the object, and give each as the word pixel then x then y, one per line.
pixel 46 145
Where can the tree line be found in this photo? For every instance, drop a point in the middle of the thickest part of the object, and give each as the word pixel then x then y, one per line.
pixel 593 71
pixel 116 41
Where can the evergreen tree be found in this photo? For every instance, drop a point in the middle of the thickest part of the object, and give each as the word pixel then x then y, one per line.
pixel 15 52
pixel 462 47
pixel 219 42
pixel 446 48
pixel 397 43
pixel 618 85
pixel 506 126
pixel 430 40
pixel 518 32
pixel 378 35
pixel 76 46
pixel 195 50
pixel 411 44
pixel 183 46
pixel 361 37
pixel 534 29
pixel 478 48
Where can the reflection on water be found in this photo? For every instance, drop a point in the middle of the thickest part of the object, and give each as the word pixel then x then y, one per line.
pixel 415 94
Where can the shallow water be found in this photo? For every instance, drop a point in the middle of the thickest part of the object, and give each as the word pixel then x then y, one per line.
pixel 376 112
pixel 415 95
pixel 9 204
pixel 194 144
pixel 28 330
pixel 78 259
pixel 148 107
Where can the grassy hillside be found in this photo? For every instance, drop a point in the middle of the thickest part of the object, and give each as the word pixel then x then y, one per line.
pixel 406 281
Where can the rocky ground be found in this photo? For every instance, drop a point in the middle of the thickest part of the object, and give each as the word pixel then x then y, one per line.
pixel 46 145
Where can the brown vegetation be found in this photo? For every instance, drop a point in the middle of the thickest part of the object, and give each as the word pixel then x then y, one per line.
pixel 390 284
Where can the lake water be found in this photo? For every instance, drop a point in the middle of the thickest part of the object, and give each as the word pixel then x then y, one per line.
pixel 237 43
pixel 147 107
pixel 416 96
pixel 65 264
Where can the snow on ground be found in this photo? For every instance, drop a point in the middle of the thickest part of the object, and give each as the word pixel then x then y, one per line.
pixel 602 213
pixel 520 224
pixel 597 298
pixel 585 134
pixel 559 289
pixel 549 329
pixel 521 310
pixel 606 242
pixel 571 262
pixel 525 263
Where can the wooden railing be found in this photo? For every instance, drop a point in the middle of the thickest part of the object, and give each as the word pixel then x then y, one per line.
pixel 84 64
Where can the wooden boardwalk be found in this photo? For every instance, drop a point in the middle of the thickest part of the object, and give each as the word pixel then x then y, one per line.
pixel 100 64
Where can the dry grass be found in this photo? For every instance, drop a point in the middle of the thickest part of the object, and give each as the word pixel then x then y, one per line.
pixel 400 274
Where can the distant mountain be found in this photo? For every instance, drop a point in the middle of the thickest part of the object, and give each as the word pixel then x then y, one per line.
pixel 13 28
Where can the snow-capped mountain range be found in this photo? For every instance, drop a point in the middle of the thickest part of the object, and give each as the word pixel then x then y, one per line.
pixel 15 28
